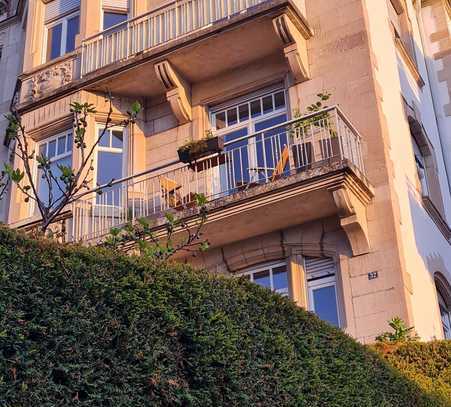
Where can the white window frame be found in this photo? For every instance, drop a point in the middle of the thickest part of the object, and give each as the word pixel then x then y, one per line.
pixel 115 11
pixel 269 267
pixel 99 148
pixel 56 157
pixel 329 280
pixel 60 20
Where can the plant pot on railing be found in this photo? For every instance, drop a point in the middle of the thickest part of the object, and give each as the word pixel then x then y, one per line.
pixel 194 150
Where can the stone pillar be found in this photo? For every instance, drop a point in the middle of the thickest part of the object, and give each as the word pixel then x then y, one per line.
pixel 296 281
pixel 90 18
pixel 34 35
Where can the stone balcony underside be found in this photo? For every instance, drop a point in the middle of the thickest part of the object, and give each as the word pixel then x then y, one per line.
pixel 334 189
pixel 245 37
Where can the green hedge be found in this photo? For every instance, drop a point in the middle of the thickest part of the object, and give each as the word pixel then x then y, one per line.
pixel 428 364
pixel 91 328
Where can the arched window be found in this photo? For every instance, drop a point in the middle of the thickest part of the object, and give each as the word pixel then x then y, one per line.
pixel 444 303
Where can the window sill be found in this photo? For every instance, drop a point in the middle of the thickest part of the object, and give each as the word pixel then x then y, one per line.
pixel 408 60
pixel 433 212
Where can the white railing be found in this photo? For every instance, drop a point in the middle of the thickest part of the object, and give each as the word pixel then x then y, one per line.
pixel 154 28
pixel 297 146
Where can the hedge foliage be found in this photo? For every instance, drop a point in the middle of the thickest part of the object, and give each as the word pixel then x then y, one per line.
pixel 89 327
pixel 428 364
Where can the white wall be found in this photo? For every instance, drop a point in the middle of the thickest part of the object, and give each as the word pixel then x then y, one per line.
pixel 12 40
pixel 422 242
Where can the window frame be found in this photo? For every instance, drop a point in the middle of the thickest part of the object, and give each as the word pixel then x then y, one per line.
pixel 56 157
pixel 268 267
pixel 114 11
pixel 315 283
pixel 63 20
pixel 99 148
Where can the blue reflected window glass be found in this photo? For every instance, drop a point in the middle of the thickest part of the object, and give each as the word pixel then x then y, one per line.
pixel 104 138
pixel 237 161
pixel 262 278
pixel 280 280
pixel 43 185
pixel 325 304
pixel 69 142
pixel 110 19
pixel 61 145
pixel 109 167
pixel 54 41
pixel 51 149
pixel 117 139
pixel 73 29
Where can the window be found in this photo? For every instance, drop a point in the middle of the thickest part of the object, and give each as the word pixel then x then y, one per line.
pixel 273 276
pixel 110 164
pixel 58 150
pixel 421 167
pixel 402 26
pixel 112 18
pixel 322 288
pixel 251 159
pixel 445 313
pixel 61 36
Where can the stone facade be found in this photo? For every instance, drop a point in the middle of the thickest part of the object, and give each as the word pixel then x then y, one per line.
pixel 389 239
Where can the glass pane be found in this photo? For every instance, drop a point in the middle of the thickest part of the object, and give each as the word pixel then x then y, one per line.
pixel 235 172
pixel 244 112
pixel 279 100
pixel 104 138
pixel 42 149
pixel 61 145
pixel 270 147
pixel 325 304
pixel 256 108
pixel 54 42
pixel 69 142
pixel 43 185
pixel 280 280
pixel 267 104
pixel 109 167
pixel 52 149
pixel 231 117
pixel 73 28
pixel 262 278
pixel 220 120
pixel 117 139
pixel 110 19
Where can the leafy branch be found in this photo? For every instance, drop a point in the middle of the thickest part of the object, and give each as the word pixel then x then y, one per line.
pixel 160 248
pixel 63 183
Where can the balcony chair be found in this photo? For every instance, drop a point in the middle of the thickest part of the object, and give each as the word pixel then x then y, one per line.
pixel 278 170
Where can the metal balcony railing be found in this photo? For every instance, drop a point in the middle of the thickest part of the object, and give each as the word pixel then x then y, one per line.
pixel 310 142
pixel 154 28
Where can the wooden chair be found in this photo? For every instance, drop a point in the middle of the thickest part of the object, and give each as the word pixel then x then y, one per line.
pixel 278 170
pixel 170 191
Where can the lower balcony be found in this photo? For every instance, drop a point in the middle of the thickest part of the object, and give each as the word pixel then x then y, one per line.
pixel 298 171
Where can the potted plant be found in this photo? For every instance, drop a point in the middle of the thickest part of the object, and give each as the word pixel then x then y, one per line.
pixel 193 150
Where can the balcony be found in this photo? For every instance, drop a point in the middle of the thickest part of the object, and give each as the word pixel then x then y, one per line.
pixel 124 58
pixel 305 169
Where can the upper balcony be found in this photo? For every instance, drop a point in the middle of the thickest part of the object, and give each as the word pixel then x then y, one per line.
pixel 124 58
pixel 295 172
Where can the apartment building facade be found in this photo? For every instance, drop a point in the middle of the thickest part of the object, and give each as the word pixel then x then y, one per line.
pixel 345 209
pixel 12 39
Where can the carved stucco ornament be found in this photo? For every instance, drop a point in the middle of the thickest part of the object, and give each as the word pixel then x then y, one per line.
pixel 46 81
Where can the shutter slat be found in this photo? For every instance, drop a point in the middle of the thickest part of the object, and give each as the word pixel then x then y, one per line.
pixel 316 267
pixel 115 4
pixel 57 8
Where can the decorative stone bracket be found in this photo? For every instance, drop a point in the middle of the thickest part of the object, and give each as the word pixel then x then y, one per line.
pixel 352 214
pixel 294 38
pixel 177 91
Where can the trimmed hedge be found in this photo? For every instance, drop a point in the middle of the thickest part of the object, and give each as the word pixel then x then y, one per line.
pixel 428 364
pixel 92 328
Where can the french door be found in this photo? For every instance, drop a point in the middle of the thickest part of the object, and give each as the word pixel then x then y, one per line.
pixel 251 153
